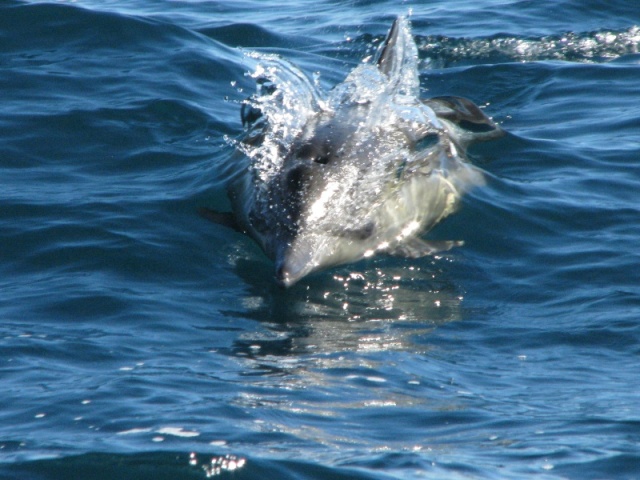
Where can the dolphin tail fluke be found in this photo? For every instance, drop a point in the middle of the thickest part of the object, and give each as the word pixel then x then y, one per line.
pixel 417 247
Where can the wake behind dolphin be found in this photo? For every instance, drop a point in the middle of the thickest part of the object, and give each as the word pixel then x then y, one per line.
pixel 362 170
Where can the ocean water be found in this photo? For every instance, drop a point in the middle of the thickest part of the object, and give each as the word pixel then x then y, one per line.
pixel 139 341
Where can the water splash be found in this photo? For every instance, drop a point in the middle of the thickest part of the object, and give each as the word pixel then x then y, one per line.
pixel 219 464
pixel 591 47
pixel 285 99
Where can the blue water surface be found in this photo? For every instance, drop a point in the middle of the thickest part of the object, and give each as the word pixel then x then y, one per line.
pixel 138 340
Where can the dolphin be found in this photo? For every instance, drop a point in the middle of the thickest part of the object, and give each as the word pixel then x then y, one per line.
pixel 363 170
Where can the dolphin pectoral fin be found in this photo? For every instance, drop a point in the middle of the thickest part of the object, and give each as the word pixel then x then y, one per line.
pixel 416 247
pixel 466 116
pixel 221 218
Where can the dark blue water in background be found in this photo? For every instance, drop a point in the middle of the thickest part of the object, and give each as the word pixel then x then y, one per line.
pixel 139 341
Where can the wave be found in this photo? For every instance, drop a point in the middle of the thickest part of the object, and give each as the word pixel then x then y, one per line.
pixel 441 51
pixel 592 47
pixel 176 465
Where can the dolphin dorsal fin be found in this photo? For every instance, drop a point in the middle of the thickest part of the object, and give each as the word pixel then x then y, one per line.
pixel 387 53
pixel 398 58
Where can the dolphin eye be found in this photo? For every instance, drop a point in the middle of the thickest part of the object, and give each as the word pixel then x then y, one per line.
pixel 428 141
pixel 314 153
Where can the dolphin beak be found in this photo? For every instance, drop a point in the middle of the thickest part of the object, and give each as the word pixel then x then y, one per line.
pixel 293 264
pixel 284 278
pixel 288 273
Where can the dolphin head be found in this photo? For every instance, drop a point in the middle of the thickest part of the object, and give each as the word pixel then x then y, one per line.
pixel 364 170
pixel 336 170
pixel 311 188
pixel 328 191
